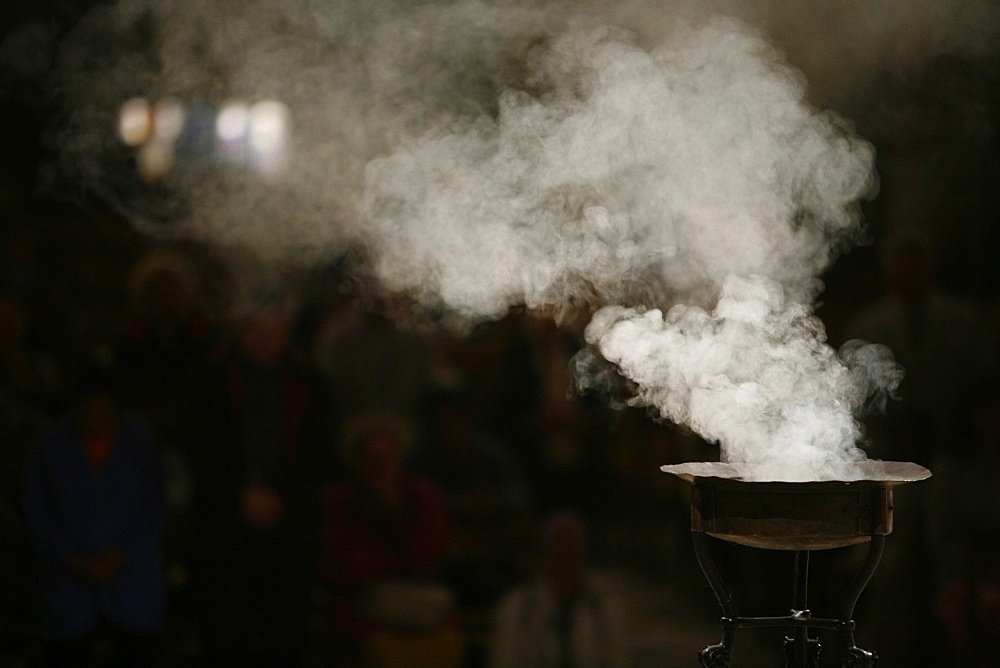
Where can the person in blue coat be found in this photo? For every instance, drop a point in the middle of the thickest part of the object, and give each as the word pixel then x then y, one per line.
pixel 95 509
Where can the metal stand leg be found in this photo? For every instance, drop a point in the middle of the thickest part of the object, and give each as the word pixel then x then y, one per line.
pixel 716 656
pixel 854 656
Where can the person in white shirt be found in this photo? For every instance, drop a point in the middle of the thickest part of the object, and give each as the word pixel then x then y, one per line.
pixel 562 619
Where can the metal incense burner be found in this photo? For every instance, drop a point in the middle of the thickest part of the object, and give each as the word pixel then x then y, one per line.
pixel 797 516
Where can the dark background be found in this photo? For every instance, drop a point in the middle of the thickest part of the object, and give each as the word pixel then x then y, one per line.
pixel 937 135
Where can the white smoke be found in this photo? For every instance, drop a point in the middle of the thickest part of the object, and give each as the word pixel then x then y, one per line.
pixel 359 79
pixel 690 166
pixel 682 165
pixel 496 154
pixel 363 78
pixel 754 375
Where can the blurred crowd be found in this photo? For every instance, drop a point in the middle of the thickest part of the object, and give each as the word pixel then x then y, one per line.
pixel 213 466
pixel 213 461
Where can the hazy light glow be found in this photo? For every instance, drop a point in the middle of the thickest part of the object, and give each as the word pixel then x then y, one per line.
pixel 233 123
pixel 254 137
pixel 268 137
pixel 168 120
pixel 135 122
pixel 155 158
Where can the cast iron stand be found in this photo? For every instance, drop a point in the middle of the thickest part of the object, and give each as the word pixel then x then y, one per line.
pixel 801 651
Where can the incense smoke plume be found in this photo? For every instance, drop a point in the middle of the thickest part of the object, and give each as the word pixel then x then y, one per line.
pixel 675 167
pixel 754 375
pixel 490 155
pixel 689 167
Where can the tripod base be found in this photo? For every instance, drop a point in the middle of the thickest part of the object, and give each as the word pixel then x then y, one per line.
pixel 801 651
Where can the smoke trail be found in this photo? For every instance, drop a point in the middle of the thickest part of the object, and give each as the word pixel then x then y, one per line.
pixel 493 154
pixel 687 166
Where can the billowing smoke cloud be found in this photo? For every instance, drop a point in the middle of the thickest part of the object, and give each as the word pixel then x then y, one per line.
pixel 681 165
pixel 754 375
pixel 688 166
pixel 493 154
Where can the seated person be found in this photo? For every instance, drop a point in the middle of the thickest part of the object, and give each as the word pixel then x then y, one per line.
pixel 386 534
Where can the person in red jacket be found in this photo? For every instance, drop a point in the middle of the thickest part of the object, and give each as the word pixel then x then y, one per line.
pixel 386 534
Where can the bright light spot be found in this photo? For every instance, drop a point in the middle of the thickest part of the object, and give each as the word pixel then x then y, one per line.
pixel 168 120
pixel 163 132
pixel 268 126
pixel 232 123
pixel 135 123
pixel 268 137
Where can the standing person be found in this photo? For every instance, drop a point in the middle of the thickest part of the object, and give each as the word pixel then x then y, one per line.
pixel 166 346
pixel 95 510
pixel 562 620
pixel 258 468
